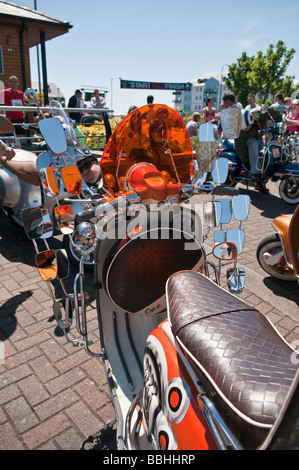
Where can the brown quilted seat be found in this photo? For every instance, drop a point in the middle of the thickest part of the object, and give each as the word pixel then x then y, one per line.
pixel 242 362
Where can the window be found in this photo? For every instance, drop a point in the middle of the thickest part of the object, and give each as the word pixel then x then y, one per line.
pixel 1 62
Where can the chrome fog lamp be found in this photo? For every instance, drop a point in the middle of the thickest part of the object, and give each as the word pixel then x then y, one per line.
pixel 84 236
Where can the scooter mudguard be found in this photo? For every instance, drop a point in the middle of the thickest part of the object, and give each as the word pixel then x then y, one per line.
pixel 170 409
pixel 281 225
pixel 235 165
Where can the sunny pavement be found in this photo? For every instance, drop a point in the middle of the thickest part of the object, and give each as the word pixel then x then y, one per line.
pixel 55 396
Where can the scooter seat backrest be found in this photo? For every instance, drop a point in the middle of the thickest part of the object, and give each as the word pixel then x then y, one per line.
pixel 6 127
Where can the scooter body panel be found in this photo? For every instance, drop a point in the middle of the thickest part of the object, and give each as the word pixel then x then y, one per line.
pixel 170 408
pixel 127 309
pixel 16 194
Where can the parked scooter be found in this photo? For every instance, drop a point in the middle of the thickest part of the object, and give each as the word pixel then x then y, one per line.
pixel 275 253
pixel 34 182
pixel 19 181
pixel 276 163
pixel 192 366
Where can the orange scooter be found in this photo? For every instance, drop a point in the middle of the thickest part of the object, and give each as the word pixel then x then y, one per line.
pixel 276 253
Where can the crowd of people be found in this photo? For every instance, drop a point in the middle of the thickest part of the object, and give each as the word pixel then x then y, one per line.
pixel 247 145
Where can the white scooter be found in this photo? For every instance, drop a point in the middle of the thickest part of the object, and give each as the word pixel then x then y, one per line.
pixel 142 236
pixel 32 182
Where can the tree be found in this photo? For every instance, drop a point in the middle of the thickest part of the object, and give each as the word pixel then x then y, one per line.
pixel 238 81
pixel 263 75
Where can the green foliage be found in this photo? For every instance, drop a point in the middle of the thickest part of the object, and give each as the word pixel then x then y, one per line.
pixel 263 75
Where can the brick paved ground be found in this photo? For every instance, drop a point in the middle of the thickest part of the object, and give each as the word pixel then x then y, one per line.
pixel 55 396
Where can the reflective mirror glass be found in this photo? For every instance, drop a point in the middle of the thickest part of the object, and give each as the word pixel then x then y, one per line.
pixel 72 179
pixel 212 213
pixel 235 280
pixel 46 264
pixel 225 214
pixel 225 250
pixel 50 178
pixel 37 223
pixel 64 216
pixel 236 236
pixel 241 206
pixel 219 236
pixel 220 171
pixel 29 97
pixel 54 135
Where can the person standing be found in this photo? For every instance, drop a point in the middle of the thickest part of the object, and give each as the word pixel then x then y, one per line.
pixel 192 125
pixel 12 96
pixel 252 105
pixel 209 112
pixel 75 102
pixel 97 101
pixel 279 104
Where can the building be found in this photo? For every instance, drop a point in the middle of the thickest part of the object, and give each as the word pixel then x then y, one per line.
pixel 54 92
pixel 20 29
pixel 210 85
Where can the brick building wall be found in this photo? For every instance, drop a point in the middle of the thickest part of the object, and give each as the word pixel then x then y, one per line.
pixel 12 54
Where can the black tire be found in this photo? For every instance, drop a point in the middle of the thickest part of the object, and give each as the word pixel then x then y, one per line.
pixel 75 257
pixel 230 182
pixel 281 271
pixel 289 189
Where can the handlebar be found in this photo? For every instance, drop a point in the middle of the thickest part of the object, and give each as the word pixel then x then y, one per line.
pixel 121 202
pixel 85 215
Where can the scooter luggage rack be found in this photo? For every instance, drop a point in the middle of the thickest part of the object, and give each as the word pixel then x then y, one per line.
pixel 79 295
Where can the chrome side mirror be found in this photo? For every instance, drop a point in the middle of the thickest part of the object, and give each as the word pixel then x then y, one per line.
pixel 241 206
pixel 29 97
pixel 53 133
pixel 64 216
pixel 37 223
pixel 52 264
pixel 220 170
pixel 206 150
pixel 235 280
pixel 225 250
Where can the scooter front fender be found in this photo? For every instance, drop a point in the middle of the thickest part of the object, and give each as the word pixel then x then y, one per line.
pixel 172 414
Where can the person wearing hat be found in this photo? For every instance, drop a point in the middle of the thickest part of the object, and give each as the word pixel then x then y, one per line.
pixel 75 102
pixel 90 170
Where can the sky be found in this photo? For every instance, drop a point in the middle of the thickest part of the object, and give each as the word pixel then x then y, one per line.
pixel 158 41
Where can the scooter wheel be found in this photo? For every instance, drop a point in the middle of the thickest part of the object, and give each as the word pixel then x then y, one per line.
pixel 230 182
pixel 281 270
pixel 74 256
pixel 289 189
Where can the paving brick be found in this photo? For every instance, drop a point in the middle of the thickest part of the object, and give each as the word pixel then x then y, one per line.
pixel 9 440
pixel 46 431
pixel 21 414
pixel 44 370
pixel 32 340
pixel 14 375
pixel 87 422
pixel 33 390
pixel 92 394
pixel 69 440
pixel 56 404
pixel 9 393
pixel 65 380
